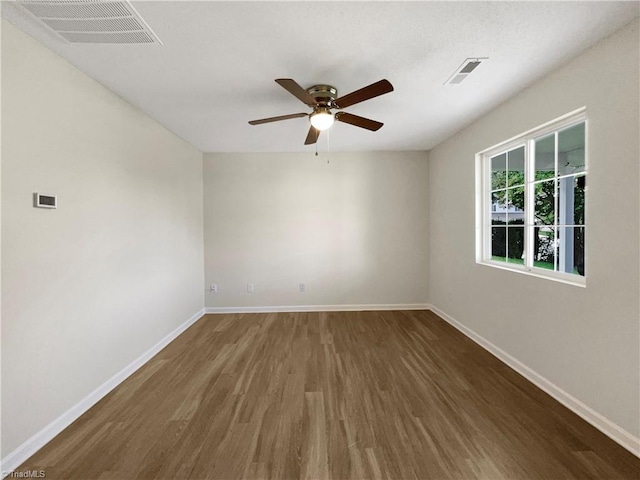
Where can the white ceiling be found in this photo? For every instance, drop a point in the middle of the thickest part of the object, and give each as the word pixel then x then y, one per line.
pixel 217 66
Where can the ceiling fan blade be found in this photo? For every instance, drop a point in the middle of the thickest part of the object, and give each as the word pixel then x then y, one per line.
pixel 296 90
pixel 312 136
pixel 371 91
pixel 277 119
pixel 358 121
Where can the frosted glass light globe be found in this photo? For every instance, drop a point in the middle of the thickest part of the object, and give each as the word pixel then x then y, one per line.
pixel 322 119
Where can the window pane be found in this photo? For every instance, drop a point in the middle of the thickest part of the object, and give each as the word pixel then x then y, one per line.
pixel 515 236
pixel 571 200
pixel 544 212
pixel 515 205
pixel 571 150
pixel 499 243
pixel 499 171
pixel 544 247
pixel 545 157
pixel 515 167
pixel 571 250
pixel 499 207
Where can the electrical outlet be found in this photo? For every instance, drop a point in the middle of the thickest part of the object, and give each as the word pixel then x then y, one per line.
pixel 303 288
pixel 214 288
pixel 251 288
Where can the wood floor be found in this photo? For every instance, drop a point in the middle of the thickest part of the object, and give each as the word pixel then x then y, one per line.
pixel 341 395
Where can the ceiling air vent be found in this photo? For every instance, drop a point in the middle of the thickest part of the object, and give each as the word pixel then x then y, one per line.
pixel 464 70
pixel 91 21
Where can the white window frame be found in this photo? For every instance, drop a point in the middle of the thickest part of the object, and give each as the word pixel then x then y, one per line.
pixel 483 198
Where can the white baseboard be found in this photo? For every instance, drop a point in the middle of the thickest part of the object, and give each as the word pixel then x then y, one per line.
pixel 606 426
pixel 40 439
pixel 319 308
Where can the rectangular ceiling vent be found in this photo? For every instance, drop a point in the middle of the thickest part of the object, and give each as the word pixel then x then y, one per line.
pixel 464 70
pixel 91 21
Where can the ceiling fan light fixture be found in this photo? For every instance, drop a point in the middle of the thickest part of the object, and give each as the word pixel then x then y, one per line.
pixel 322 118
pixel 323 98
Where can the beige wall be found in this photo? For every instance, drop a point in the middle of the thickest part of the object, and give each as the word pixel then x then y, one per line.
pixel 90 286
pixel 353 230
pixel 585 340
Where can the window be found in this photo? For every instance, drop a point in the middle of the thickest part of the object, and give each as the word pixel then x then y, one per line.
pixel 531 201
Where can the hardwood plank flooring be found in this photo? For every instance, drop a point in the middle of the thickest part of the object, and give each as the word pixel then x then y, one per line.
pixel 340 395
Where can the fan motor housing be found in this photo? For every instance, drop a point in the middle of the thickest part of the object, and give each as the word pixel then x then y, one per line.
pixel 323 94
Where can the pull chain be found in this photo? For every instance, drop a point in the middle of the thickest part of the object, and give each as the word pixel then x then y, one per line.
pixel 328 138
pixel 317 141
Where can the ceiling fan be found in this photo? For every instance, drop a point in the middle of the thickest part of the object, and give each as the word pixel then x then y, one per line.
pixel 323 99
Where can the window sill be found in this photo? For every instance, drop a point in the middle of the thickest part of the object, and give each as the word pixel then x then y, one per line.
pixel 569 279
